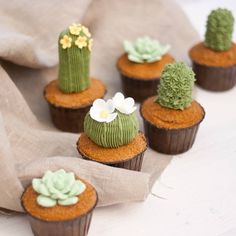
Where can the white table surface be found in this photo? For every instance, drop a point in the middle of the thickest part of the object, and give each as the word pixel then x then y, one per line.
pixel 195 195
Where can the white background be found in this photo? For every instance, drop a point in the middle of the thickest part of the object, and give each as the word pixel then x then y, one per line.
pixel 196 194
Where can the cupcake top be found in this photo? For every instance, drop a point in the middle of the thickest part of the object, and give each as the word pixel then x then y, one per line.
pixel 174 107
pixel 74 100
pixel 144 58
pixel 58 195
pixel 112 123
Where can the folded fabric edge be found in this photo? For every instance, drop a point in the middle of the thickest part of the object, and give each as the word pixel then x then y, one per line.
pixel 114 185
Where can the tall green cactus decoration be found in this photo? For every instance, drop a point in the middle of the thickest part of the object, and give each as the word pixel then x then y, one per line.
pixel 176 85
pixel 220 24
pixel 74 57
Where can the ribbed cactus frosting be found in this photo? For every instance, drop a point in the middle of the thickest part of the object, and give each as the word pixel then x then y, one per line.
pixel 116 133
pixel 220 24
pixel 176 85
pixel 74 46
pixel 112 123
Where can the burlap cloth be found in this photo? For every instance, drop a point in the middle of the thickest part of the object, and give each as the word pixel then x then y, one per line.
pixel 29 144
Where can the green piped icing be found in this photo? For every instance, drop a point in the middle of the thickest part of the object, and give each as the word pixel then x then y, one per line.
pixel 58 187
pixel 145 49
pixel 219 30
pixel 116 133
pixel 74 62
pixel 176 85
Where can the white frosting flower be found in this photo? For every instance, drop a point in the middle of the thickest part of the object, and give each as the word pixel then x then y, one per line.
pixel 122 104
pixel 102 111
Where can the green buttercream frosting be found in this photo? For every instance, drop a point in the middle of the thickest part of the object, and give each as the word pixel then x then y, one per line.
pixel 219 30
pixel 74 47
pixel 145 50
pixel 176 85
pixel 116 133
pixel 58 187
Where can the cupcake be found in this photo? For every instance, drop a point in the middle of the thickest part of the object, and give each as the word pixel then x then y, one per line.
pixel 111 134
pixel 171 119
pixel 72 94
pixel 59 204
pixel 214 60
pixel 140 67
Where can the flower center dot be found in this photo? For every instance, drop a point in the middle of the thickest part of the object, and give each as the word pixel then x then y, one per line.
pixel 103 114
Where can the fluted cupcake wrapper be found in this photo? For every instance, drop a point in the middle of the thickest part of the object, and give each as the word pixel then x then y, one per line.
pixel 67 119
pixel 139 89
pixel 170 141
pixel 215 78
pixel 77 227
pixel 134 163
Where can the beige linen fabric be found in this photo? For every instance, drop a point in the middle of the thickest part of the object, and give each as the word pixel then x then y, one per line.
pixel 29 144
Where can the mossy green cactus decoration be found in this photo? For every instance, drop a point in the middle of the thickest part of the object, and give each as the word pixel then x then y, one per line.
pixel 176 85
pixel 74 57
pixel 113 123
pixel 220 24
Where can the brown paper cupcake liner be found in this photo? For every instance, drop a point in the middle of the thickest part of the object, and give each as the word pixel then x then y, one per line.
pixel 215 78
pixel 134 163
pixel 139 89
pixel 78 226
pixel 170 141
pixel 67 119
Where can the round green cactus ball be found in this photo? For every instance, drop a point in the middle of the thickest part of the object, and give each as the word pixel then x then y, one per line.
pixel 176 85
pixel 219 30
pixel 116 133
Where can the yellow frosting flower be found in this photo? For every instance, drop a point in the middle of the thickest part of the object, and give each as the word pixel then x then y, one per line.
pixel 81 42
pixel 66 42
pixel 86 31
pixel 75 29
pixel 90 44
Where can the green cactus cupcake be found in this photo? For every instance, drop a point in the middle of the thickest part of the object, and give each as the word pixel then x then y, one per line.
pixel 214 60
pixel 59 203
pixel 171 119
pixel 141 65
pixel 111 134
pixel 71 96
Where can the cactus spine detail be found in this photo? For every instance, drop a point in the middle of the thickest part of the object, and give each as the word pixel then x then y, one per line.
pixel 176 85
pixel 220 24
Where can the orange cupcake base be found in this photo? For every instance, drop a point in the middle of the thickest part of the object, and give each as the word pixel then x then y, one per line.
pixel 170 137
pixel 140 80
pixel 129 156
pixel 215 71
pixel 60 220
pixel 68 110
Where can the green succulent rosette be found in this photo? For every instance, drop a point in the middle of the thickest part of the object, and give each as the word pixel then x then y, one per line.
pixel 74 46
pixel 58 187
pixel 113 123
pixel 176 85
pixel 145 49
pixel 219 30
